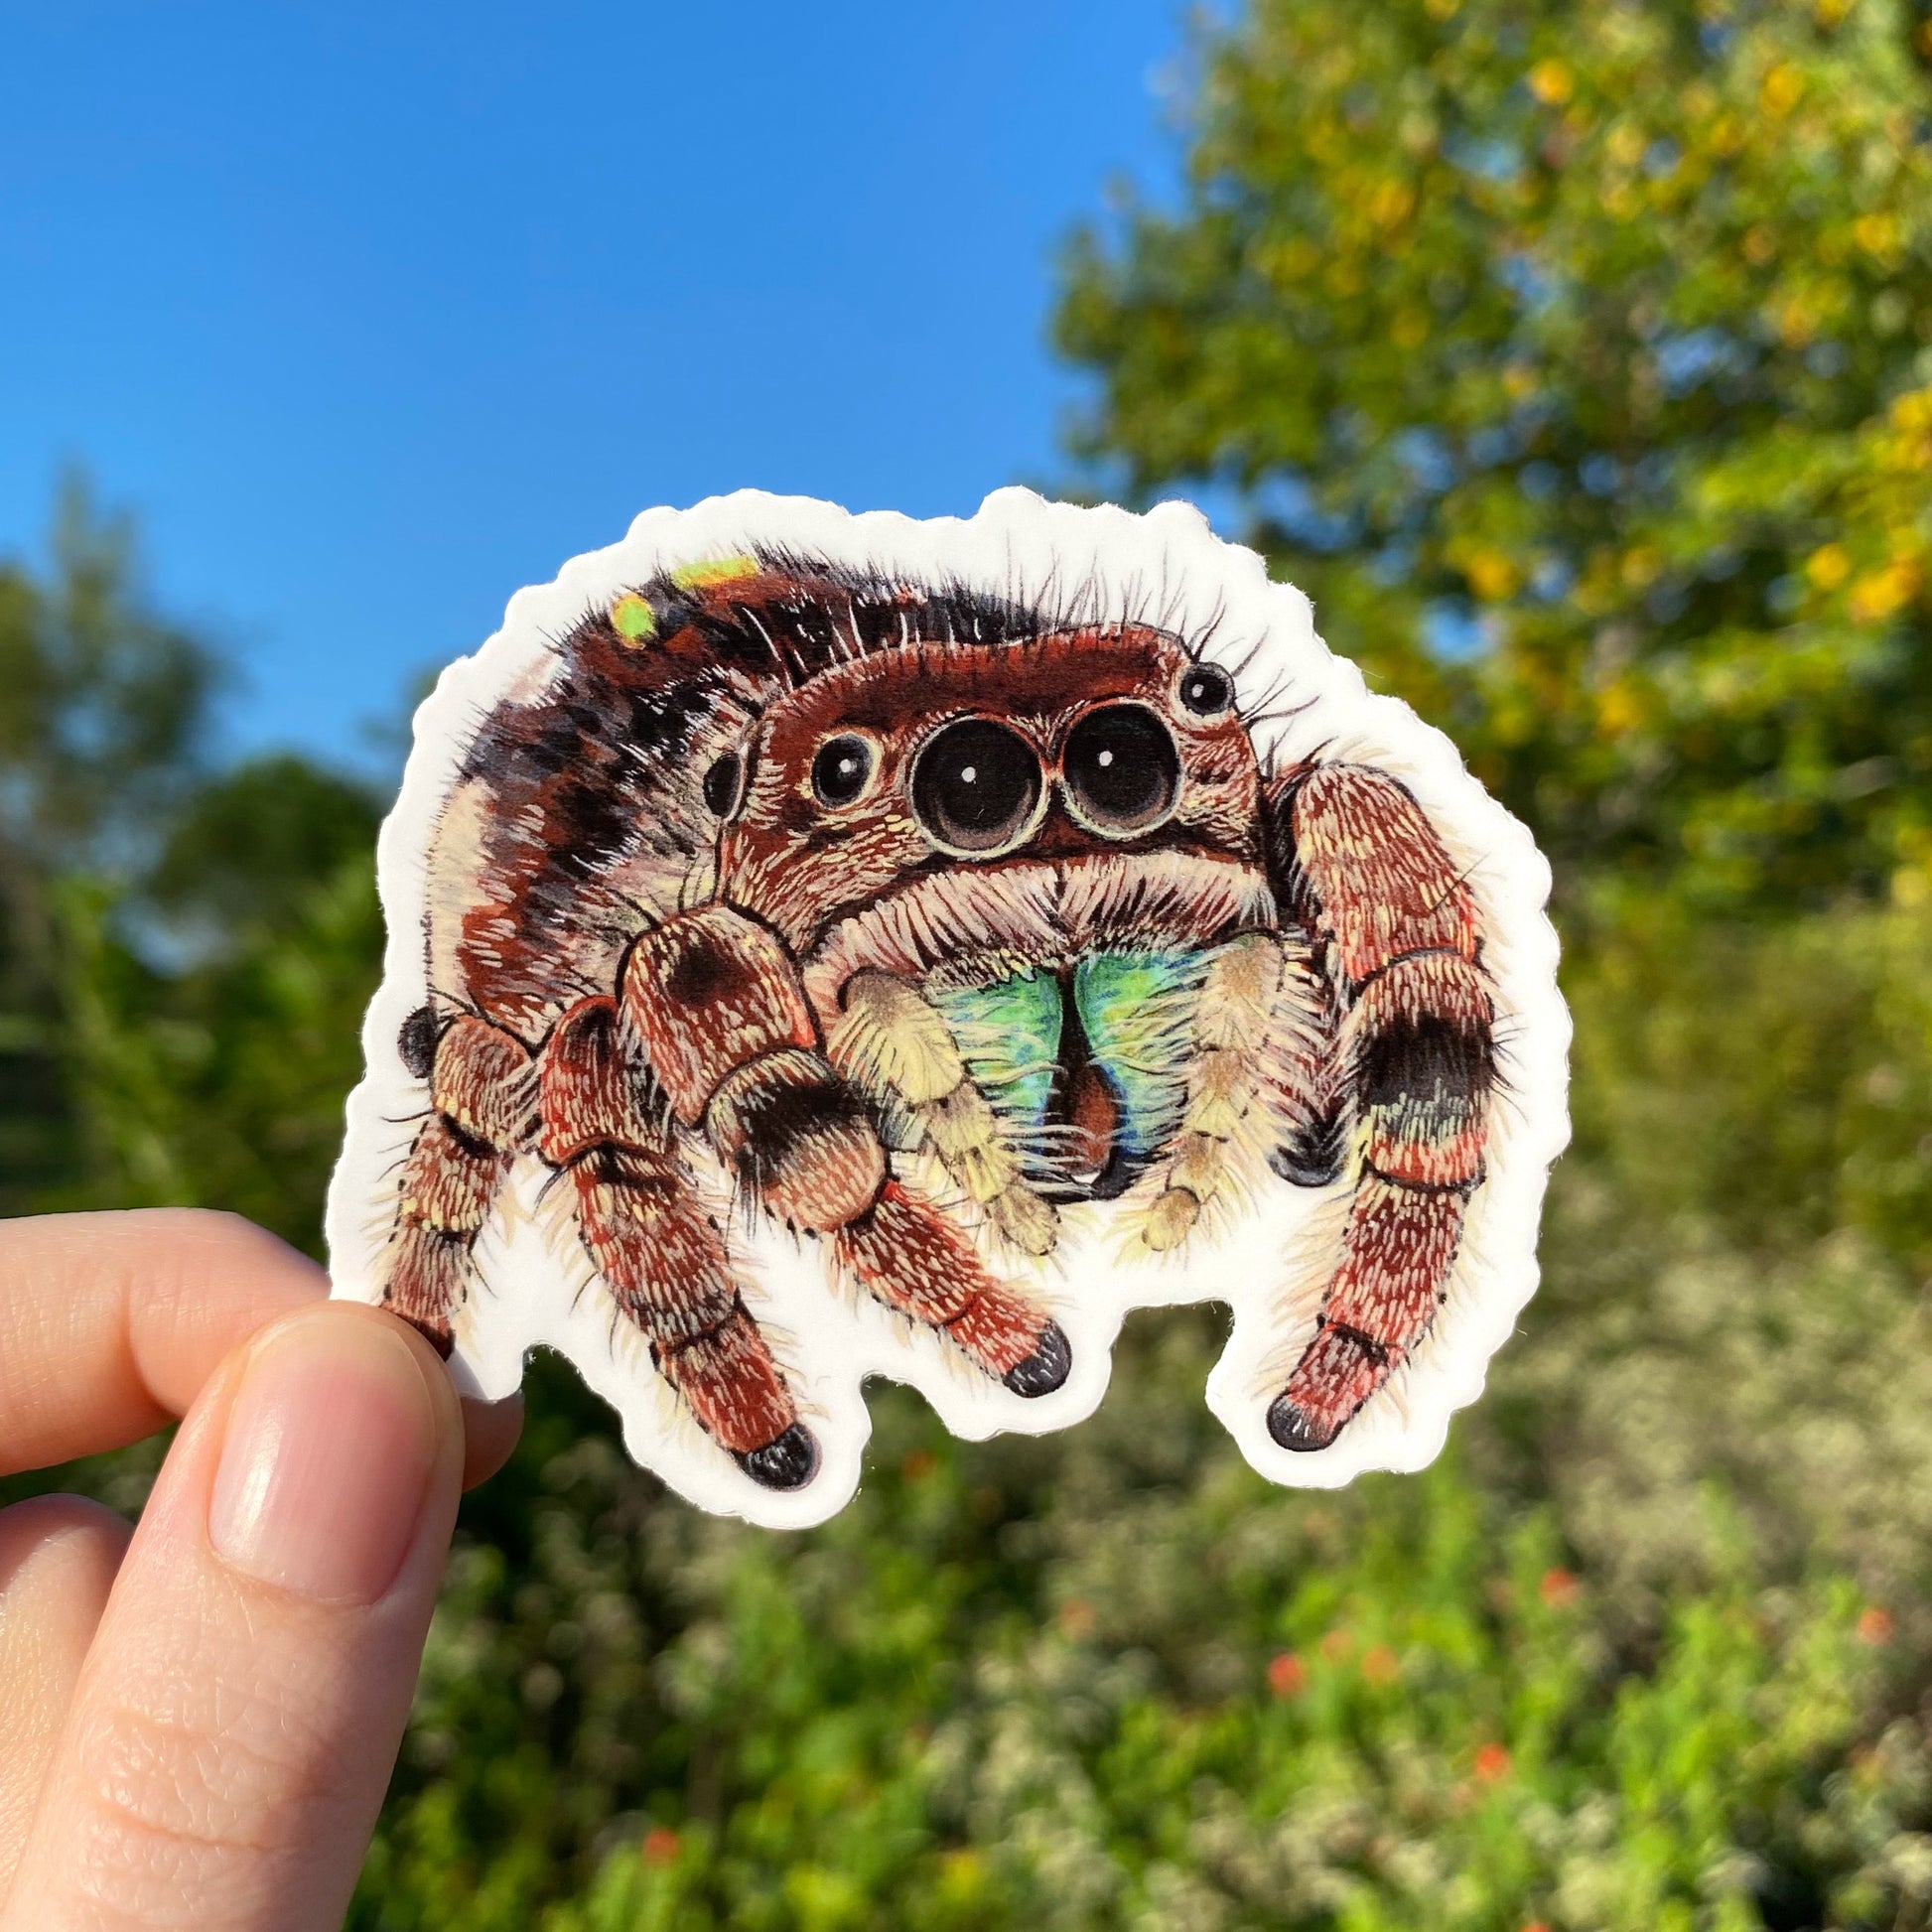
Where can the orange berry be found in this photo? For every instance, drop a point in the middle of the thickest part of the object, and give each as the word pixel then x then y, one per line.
pixel 660 1846
pixel 1491 1764
pixel 1286 1674
pixel 1380 1664
pixel 1875 1626
pixel 1559 1588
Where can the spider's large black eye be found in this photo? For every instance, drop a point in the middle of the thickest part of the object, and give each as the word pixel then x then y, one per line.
pixel 1121 766
pixel 724 784
pixel 1206 689
pixel 842 769
pixel 976 786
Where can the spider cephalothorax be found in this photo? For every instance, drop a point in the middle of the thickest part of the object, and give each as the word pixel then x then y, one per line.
pixel 917 916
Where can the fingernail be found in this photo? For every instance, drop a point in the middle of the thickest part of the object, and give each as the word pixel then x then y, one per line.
pixel 329 1453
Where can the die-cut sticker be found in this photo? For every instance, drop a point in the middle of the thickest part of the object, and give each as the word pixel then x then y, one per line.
pixel 824 946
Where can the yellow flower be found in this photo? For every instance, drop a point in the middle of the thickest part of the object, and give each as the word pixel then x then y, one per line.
pixel 1877 235
pixel 1641 567
pixel 1391 202
pixel 1289 261
pixel 1551 83
pixel 1911 887
pixel 1879 593
pixel 1913 410
pixel 1828 566
pixel 1619 710
pixel 1491 575
pixel 1782 86
pixel 1795 323
pixel 1627 143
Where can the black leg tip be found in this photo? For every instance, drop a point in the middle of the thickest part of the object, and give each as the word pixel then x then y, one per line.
pixel 1306 1170
pixel 1295 1428
pixel 1045 1368
pixel 787 1462
pixel 436 1334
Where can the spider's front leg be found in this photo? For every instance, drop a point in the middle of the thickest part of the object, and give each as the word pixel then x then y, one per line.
pixel 1369 876
pixel 890 1041
pixel 1260 1079
pixel 717 1002
pixel 482 1105
pixel 653 1242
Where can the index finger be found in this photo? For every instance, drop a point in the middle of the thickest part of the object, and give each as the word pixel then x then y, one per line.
pixel 109 1323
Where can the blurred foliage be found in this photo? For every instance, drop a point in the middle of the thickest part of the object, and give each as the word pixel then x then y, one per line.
pixel 1577 358
pixel 100 732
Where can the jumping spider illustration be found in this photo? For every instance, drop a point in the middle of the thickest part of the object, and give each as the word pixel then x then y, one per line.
pixel 822 882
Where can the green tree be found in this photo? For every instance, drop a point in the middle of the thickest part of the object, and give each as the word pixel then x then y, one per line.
pixel 1574 355
pixel 101 735
pixel 184 948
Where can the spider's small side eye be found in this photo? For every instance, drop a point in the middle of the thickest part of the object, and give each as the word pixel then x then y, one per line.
pixel 724 784
pixel 416 1041
pixel 1206 689
pixel 842 769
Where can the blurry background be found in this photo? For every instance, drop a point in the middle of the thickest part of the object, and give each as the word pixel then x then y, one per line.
pixel 379 312
pixel 1577 358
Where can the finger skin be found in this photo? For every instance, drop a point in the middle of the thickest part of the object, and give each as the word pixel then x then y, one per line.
pixel 110 1323
pixel 230 1737
pixel 489 1430
pixel 58 1559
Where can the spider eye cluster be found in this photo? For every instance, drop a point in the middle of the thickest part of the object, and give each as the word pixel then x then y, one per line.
pixel 978 787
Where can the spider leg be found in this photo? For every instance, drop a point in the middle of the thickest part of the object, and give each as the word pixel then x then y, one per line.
pixel 892 1043
pixel 1235 1033
pixel 649 1236
pixel 1306 1086
pixel 482 1095
pixel 907 1254
pixel 723 1019
pixel 1399 937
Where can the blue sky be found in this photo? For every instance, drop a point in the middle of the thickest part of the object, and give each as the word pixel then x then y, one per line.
pixel 374 313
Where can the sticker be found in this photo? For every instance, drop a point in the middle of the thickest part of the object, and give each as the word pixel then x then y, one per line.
pixel 824 946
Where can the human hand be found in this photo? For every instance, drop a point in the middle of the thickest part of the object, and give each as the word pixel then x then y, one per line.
pixel 199 1717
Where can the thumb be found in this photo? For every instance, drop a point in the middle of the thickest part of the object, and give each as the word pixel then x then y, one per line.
pixel 235 1727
